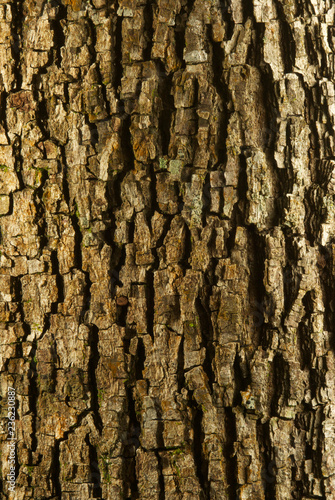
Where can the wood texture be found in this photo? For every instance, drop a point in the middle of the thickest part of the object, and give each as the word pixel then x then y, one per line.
pixel 167 182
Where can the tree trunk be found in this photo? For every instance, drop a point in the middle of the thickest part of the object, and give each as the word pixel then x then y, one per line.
pixel 167 181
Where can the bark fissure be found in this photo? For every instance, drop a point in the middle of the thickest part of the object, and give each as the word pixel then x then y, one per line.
pixel 92 367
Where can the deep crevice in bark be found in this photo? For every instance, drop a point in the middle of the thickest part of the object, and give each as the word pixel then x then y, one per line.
pixel 242 379
pixel 130 447
pixel 118 259
pixel 95 476
pixel 150 298
pixel 231 462
pixel 180 368
pixel 207 339
pixel 179 33
pixel 281 384
pixel 17 143
pixel 227 17
pixel 58 31
pixel 118 66
pixel 41 109
pixel 78 238
pixel 248 12
pixel 139 360
pixel 92 367
pixel 128 159
pixel 161 480
pixel 3 108
pixel 239 212
pixel 200 461
pixel 91 33
pixel 62 163
pixel 55 469
pixel 121 319
pixel 256 290
pixel 87 297
pixel 18 19
pixel 148 29
pixel 287 44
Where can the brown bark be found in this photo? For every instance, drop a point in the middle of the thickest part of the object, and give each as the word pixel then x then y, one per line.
pixel 167 248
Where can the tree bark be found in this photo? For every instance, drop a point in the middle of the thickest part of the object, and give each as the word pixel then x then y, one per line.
pixel 167 182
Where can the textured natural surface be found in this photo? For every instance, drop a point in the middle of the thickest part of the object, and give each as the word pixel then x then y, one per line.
pixel 167 182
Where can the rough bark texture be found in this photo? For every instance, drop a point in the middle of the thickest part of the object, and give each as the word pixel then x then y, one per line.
pixel 167 180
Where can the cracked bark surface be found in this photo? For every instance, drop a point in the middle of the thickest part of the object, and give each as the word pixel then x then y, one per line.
pixel 167 182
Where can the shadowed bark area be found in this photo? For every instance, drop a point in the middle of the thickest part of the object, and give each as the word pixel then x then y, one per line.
pixel 167 182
